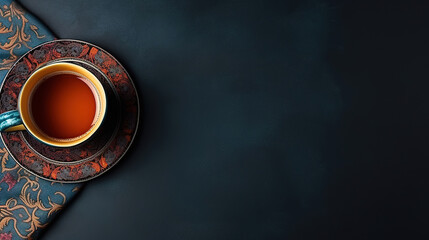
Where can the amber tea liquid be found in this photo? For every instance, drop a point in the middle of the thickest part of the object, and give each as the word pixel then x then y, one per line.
pixel 64 105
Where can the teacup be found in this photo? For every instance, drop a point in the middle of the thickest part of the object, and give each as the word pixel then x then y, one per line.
pixel 61 104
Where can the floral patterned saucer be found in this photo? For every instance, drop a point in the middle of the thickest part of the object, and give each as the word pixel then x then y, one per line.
pixel 103 150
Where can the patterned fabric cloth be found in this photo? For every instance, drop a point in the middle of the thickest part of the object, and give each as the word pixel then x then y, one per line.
pixel 27 203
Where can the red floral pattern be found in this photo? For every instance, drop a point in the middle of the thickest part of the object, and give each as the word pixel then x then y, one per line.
pixel 9 180
pixel 6 236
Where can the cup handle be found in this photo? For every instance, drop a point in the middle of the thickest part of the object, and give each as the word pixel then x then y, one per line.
pixel 11 121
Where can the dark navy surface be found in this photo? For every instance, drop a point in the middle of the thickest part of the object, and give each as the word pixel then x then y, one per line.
pixel 260 120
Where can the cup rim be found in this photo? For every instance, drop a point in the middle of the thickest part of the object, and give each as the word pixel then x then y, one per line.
pixel 31 127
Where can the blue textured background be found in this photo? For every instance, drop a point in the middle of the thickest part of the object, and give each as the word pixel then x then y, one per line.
pixel 261 119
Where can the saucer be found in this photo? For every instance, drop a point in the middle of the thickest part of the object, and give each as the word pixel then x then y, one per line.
pixel 105 148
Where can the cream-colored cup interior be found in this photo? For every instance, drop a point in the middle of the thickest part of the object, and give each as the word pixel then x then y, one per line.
pixel 41 74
